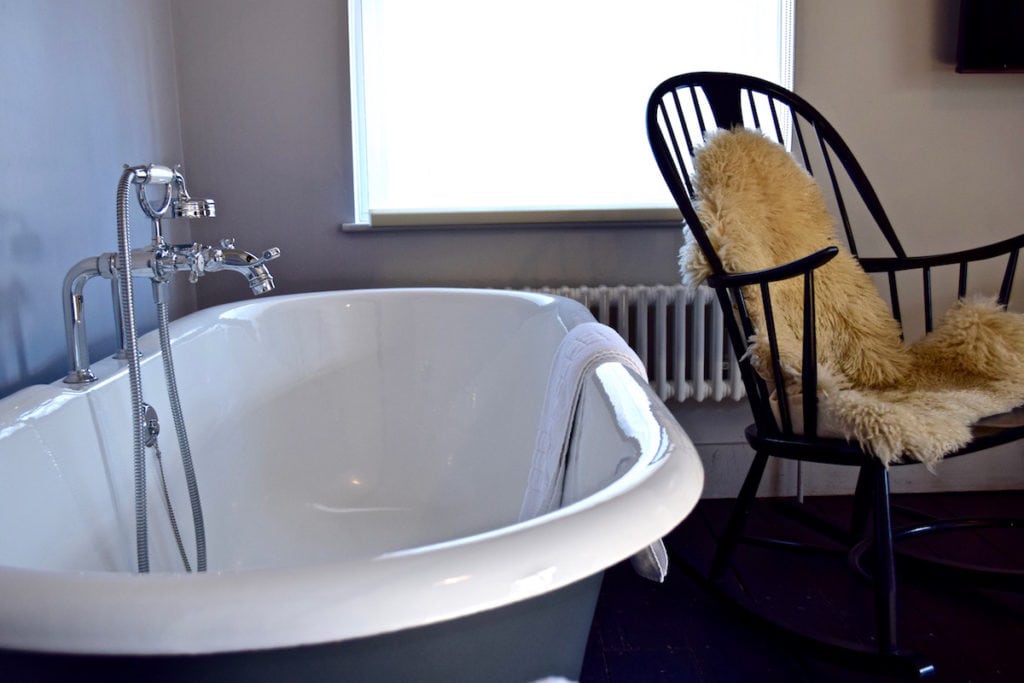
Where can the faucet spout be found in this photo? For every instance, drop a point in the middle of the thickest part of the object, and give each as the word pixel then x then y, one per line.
pixel 253 267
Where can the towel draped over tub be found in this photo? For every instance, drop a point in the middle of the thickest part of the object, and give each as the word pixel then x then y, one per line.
pixel 584 347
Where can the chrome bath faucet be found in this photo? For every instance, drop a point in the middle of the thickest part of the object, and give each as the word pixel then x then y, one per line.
pixel 157 262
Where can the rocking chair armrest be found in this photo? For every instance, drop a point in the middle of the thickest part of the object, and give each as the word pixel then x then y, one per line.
pixel 1010 248
pixel 897 263
pixel 804 268
pixel 800 266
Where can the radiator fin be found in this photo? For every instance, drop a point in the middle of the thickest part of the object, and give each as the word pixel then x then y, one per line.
pixel 679 335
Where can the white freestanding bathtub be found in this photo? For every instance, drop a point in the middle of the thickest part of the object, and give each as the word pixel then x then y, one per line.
pixel 361 458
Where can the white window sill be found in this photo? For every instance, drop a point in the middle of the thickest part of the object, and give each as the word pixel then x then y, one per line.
pixel 541 218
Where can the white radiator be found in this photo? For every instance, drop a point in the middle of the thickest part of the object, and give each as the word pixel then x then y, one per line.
pixel 678 334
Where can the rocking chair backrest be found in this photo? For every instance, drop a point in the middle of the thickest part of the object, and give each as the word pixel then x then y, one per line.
pixel 681 113
pixel 684 109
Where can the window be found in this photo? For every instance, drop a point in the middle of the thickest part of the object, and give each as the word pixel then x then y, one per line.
pixel 510 111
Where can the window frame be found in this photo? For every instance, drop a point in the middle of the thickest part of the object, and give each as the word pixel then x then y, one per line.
pixel 520 218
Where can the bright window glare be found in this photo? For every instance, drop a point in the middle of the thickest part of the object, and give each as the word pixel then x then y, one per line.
pixel 464 105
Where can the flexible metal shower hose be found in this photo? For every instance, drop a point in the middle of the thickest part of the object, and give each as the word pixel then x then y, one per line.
pixel 124 247
pixel 179 429
pixel 138 405
pixel 170 507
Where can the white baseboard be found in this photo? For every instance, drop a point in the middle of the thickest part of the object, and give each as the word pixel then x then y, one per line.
pixel 716 430
pixel 725 466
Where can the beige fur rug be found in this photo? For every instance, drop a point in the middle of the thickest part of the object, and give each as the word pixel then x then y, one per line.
pixel 914 401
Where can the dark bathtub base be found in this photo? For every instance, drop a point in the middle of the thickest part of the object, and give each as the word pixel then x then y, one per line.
pixel 525 641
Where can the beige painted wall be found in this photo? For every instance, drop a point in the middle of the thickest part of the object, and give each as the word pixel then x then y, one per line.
pixel 944 150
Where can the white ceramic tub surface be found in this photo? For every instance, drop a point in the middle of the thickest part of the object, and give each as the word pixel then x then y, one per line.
pixel 362 458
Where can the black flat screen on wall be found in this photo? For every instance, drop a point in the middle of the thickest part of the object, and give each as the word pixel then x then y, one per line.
pixel 990 36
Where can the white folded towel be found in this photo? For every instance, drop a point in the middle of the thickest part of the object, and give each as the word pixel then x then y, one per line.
pixel 584 348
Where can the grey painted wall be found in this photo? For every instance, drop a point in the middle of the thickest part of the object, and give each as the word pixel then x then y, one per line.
pixel 265 115
pixel 86 88
pixel 266 120
pixel 264 129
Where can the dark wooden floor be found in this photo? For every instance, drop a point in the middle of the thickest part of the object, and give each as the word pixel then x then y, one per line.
pixel 679 631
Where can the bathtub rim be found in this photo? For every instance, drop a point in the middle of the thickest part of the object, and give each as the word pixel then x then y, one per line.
pixel 108 369
pixel 292 606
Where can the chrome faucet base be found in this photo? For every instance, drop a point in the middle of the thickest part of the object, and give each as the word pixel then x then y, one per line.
pixel 80 377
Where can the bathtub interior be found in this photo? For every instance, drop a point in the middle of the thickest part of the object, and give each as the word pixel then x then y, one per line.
pixel 323 427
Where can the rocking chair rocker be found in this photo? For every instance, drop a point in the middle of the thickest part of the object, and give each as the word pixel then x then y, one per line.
pixel 685 112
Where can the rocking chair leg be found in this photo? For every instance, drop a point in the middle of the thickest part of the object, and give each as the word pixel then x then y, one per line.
pixel 885 570
pixel 738 517
pixel 861 505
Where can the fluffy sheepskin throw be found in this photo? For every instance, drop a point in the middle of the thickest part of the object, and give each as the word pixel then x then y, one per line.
pixel 903 402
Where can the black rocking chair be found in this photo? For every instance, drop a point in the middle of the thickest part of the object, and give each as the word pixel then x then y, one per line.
pixel 681 112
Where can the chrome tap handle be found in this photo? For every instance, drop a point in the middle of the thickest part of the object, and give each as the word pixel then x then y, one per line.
pixel 180 257
pixel 270 254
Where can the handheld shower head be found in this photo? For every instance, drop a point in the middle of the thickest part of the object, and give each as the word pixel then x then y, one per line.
pixel 187 207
